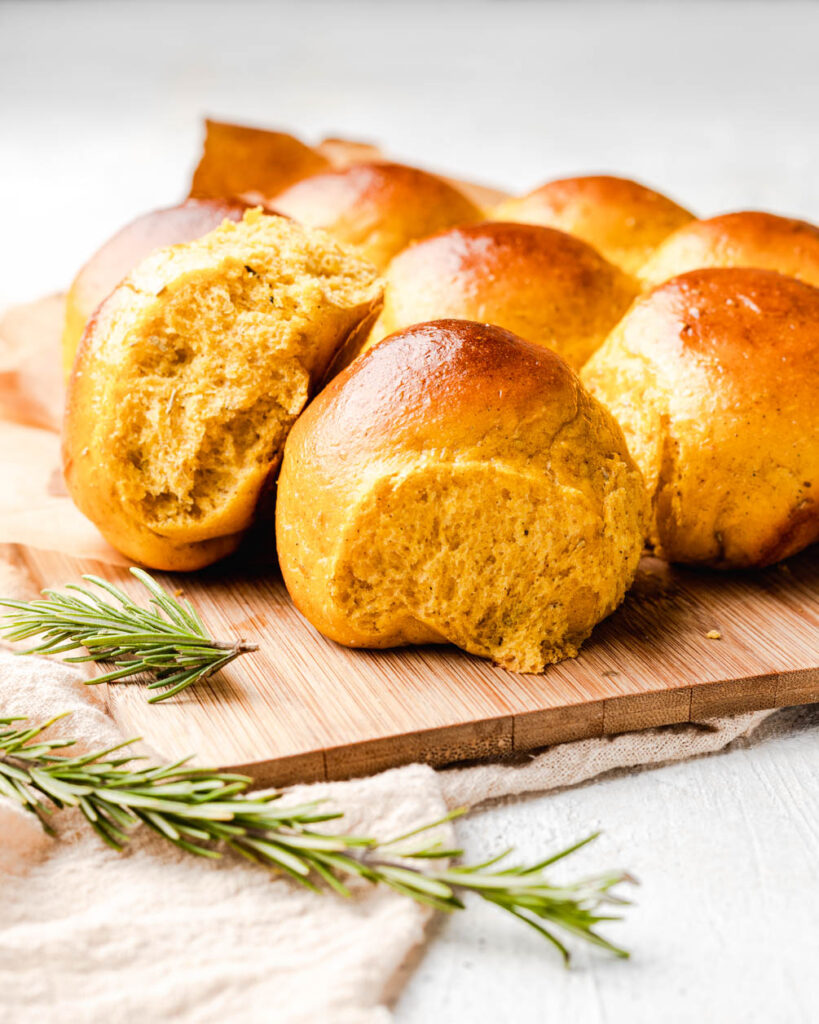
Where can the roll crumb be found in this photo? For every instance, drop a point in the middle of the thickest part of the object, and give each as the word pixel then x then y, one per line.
pixel 190 376
pixel 495 506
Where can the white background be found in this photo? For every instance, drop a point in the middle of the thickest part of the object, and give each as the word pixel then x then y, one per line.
pixel 715 103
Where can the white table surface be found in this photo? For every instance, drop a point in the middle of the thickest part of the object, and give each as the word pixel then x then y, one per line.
pixel 715 103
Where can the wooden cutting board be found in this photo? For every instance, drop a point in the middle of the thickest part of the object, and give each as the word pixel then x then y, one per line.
pixel 303 708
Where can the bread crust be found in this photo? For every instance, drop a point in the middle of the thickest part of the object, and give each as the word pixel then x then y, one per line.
pixel 129 246
pixel 378 207
pixel 191 373
pixel 714 377
pixel 749 238
pixel 622 219
pixel 456 412
pixel 544 285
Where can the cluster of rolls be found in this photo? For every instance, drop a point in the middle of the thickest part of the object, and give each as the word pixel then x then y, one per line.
pixel 472 415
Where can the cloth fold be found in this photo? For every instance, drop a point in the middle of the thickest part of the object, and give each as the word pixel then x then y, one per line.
pixel 160 935
pixel 157 934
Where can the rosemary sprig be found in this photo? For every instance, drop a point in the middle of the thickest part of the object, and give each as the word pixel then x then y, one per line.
pixel 199 809
pixel 167 642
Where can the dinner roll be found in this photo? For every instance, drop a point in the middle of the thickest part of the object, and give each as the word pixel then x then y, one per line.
pixel 458 484
pixel 189 377
pixel 378 207
pixel 746 239
pixel 345 152
pixel 121 253
pixel 714 377
pixel 548 287
pixel 623 220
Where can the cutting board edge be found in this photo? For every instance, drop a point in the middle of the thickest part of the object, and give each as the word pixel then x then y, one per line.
pixel 506 736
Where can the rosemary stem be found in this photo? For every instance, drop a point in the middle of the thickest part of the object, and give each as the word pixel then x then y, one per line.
pixel 165 645
pixel 205 812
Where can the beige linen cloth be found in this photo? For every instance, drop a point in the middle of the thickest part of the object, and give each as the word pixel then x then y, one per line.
pixel 157 935
pixel 88 935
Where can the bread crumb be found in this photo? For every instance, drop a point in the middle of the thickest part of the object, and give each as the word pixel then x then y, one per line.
pixel 178 592
pixel 714 634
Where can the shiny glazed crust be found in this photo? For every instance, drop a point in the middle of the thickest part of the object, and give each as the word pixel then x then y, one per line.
pixel 458 484
pixel 747 239
pixel 622 219
pixel 544 285
pixel 714 377
pixel 378 207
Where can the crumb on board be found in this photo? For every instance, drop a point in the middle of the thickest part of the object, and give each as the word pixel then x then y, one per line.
pixel 178 592
pixel 714 634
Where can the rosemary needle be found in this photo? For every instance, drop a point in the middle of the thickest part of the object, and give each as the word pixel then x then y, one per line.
pixel 167 642
pixel 200 810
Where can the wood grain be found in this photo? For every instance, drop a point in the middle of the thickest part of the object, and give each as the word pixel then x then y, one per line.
pixel 303 708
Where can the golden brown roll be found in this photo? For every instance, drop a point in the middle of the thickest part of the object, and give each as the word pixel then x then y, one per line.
pixel 457 484
pixel 251 162
pixel 548 287
pixel 121 253
pixel 714 377
pixel 189 377
pixel 378 207
pixel 747 239
pixel 622 219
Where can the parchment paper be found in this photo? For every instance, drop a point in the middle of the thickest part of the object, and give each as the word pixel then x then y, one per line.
pixel 35 509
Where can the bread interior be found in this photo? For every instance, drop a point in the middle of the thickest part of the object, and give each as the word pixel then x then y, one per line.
pixel 504 563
